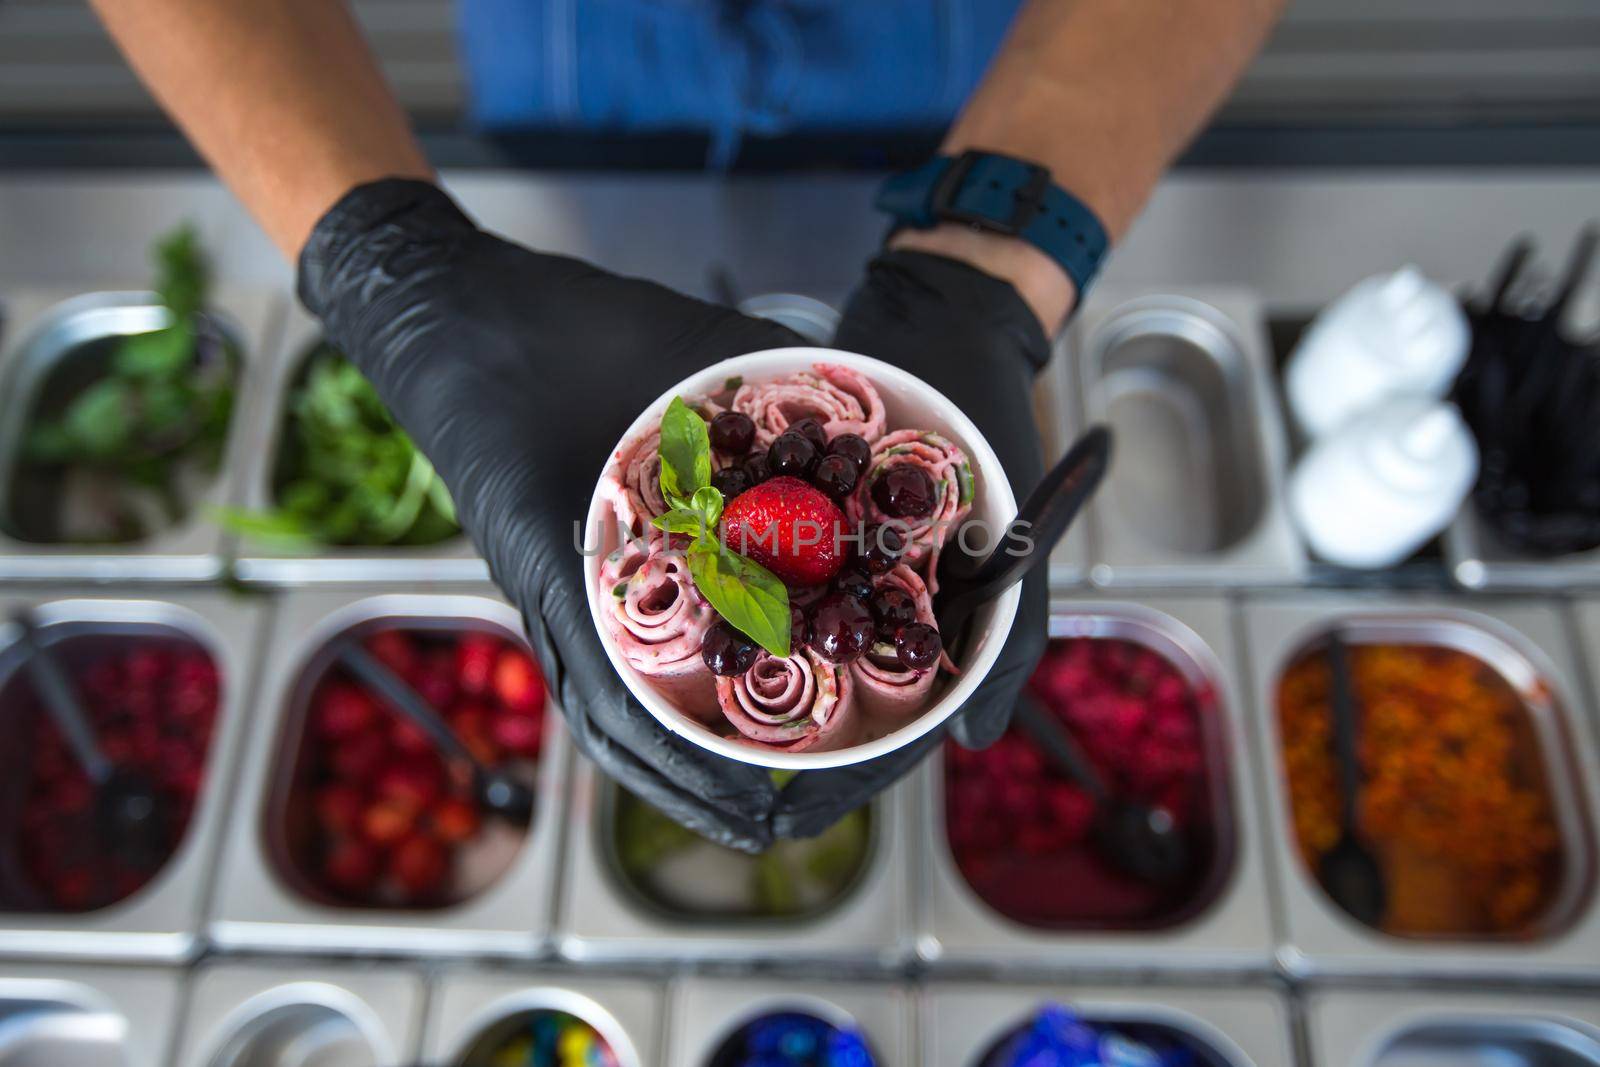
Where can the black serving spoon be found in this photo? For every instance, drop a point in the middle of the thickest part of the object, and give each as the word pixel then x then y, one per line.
pixel 967 583
pixel 495 791
pixel 1138 839
pixel 1349 871
pixel 129 822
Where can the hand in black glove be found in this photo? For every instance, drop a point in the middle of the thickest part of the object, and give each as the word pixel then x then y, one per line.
pixel 969 335
pixel 516 373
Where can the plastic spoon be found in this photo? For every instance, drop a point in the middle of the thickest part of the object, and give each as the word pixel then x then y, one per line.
pixel 1349 871
pixel 495 791
pixel 966 583
pixel 1138 839
pixel 127 814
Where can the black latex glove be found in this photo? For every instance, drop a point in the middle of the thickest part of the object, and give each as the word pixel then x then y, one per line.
pixel 970 336
pixel 516 373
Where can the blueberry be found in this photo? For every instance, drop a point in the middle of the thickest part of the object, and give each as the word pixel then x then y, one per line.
pixel 881 547
pixel 732 432
pixel 792 454
pixel 812 431
pixel 918 646
pixel 731 481
pixel 756 468
pixel 904 491
pixel 841 627
pixel 853 581
pixel 853 447
pixel 892 608
pixel 727 651
pixel 835 475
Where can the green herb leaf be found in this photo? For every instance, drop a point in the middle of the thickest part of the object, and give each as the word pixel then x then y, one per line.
pixel 708 502
pixel 733 383
pixel 688 521
pixel 685 452
pixel 100 419
pixel 158 353
pixel 746 594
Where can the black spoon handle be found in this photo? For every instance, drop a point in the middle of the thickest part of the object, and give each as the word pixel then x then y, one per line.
pixel 1059 745
pixel 405 700
pixel 1044 518
pixel 60 698
pixel 1343 706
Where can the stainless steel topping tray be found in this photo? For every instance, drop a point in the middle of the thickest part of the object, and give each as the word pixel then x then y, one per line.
pixel 1527 643
pixel 1478 559
pixel 1240 1027
pixel 48 325
pixel 454 560
pixel 1058 412
pixel 1477 1028
pixel 255 907
pixel 599 918
pixel 162 920
pixel 1195 491
pixel 705 1012
pixel 289 1014
pixel 464 1003
pixel 76 1015
pixel 1232 933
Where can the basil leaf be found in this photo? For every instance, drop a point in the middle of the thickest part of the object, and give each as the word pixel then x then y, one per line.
pixel 708 502
pixel 746 594
pixel 685 451
pixel 682 521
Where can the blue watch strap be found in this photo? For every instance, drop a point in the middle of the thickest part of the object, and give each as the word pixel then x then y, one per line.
pixel 1001 195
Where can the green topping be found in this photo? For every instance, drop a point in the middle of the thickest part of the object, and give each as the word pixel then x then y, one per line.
pixel 965 482
pixel 620 590
pixel 733 383
pixel 746 594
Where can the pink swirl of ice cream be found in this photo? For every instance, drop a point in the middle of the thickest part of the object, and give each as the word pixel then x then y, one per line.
pixel 951 472
pixel 838 397
pixel 658 618
pixel 801 703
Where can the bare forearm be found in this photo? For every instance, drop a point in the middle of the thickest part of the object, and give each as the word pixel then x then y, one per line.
pixel 1106 93
pixel 281 97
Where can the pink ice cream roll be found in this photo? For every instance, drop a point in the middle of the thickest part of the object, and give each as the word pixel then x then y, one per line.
pixel 839 398
pixel 631 480
pixel 797 704
pixel 884 688
pixel 951 472
pixel 658 618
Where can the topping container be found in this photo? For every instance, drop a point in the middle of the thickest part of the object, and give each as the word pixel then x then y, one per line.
pixel 1452 1028
pixel 1245 1027
pixel 51 347
pixel 708 1012
pixel 157 917
pixel 501 882
pixel 1194 494
pixel 301 1014
pixel 1479 560
pixel 451 560
pixel 609 913
pixel 1548 926
pixel 1218 919
pixel 81 1016
pixel 473 1010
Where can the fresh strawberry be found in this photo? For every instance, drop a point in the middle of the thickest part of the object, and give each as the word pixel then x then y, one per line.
pixel 387 821
pixel 517 682
pixel 435 678
pixel 517 734
pixel 416 783
pixel 475 659
pixel 395 650
pixel 419 864
pixel 359 758
pixel 454 820
pixel 338 808
pixel 791 528
pixel 351 866
pixel 342 709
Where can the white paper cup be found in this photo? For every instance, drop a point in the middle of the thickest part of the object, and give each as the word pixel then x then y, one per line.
pixel 909 403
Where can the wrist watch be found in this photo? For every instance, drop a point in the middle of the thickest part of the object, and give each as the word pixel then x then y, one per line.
pixel 1003 195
